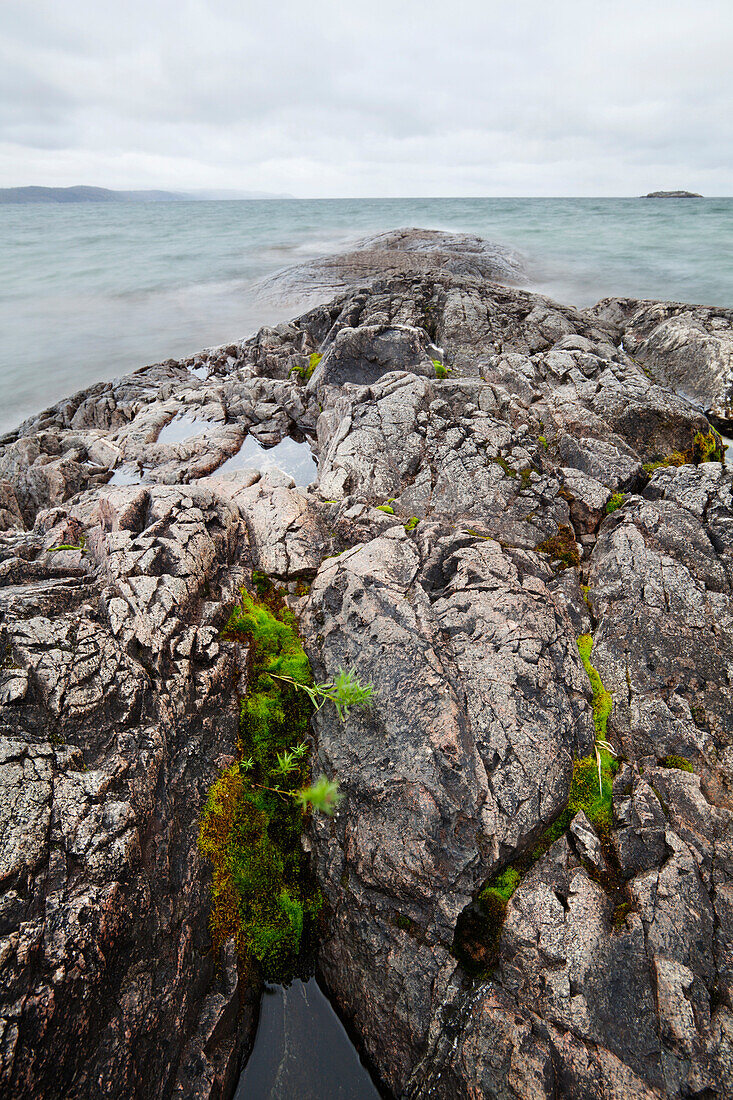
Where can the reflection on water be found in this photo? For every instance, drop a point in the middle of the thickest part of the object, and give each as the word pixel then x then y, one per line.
pixel 302 1051
pixel 182 427
pixel 128 475
pixel 294 459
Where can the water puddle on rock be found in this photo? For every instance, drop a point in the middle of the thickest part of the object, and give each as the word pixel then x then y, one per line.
pixel 128 475
pixel 294 459
pixel 182 427
pixel 302 1051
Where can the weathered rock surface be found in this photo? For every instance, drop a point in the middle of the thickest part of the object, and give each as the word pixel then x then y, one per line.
pixel 613 975
pixel 687 348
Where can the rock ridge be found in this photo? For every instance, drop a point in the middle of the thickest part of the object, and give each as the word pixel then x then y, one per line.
pixel 555 477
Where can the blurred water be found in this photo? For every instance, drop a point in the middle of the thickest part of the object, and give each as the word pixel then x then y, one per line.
pixel 302 1051
pixel 91 291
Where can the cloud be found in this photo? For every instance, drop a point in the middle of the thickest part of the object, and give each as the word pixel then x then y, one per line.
pixel 338 98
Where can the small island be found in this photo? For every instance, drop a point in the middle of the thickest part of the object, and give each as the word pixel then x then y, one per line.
pixel 672 195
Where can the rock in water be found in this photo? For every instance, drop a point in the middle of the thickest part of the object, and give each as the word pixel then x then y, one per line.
pixel 399 251
pixel 468 525
pixel 672 195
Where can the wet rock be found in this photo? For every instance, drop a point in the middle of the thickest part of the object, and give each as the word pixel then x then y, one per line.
pixel 419 251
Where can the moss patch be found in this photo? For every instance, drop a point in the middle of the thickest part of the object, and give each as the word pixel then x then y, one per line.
pixel 305 370
pixel 262 894
pixel 705 447
pixel 602 701
pixel 441 371
pixel 681 763
pixel 616 501
pixel 561 547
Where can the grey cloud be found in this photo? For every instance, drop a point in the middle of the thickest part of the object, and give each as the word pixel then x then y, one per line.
pixel 385 98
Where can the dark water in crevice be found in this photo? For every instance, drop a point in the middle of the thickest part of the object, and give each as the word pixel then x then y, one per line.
pixel 302 1051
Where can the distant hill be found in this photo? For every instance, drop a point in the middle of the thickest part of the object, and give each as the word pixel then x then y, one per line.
pixel 103 194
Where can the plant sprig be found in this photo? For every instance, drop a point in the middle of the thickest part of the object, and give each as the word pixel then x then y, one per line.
pixel 344 691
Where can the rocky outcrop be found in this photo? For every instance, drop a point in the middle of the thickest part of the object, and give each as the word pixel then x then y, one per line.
pixel 467 524
pixel 397 252
pixel 686 348
pixel 672 195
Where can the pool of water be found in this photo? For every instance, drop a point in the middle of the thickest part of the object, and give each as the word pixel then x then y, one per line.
pixel 182 427
pixel 128 475
pixel 294 459
pixel 302 1051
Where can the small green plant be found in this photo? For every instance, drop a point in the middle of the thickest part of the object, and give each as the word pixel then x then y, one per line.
pixel 602 705
pixel 306 370
pixel 344 691
pixel 543 441
pixel 681 763
pixel 323 795
pixel 82 546
pixel 616 501
pixel 441 371
pixel 386 508
pixel 412 523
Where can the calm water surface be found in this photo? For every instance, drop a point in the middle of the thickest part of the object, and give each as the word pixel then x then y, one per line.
pixel 91 291
pixel 302 1051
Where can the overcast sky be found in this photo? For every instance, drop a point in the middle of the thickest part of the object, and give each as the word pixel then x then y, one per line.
pixel 368 97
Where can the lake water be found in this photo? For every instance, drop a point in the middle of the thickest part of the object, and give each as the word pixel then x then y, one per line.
pixel 92 291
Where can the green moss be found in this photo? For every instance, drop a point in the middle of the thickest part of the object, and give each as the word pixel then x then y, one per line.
pixel 404 923
pixel 620 914
pixel 602 701
pixel 561 547
pixel 679 762
pixel 705 447
pixel 261 583
pixel 616 501
pixel 262 894
pixel 412 523
pixel 597 805
pixel 502 886
pixel 543 441
pixel 386 508
pixel 441 371
pixel 504 465
pixel 306 370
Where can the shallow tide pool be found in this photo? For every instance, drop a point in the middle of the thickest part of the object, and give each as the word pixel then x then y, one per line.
pixel 294 459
